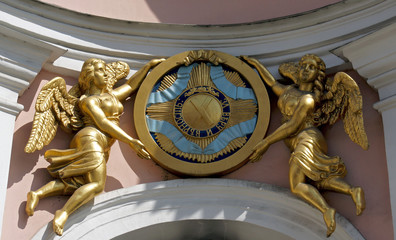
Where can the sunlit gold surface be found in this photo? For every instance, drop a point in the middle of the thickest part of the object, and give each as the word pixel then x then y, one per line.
pixel 202 55
pixel 91 110
pixel 203 112
pixel 312 102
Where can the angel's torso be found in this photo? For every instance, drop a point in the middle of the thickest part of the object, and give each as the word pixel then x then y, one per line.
pixel 91 137
pixel 289 101
pixel 109 104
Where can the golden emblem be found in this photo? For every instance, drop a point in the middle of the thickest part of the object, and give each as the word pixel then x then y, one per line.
pixel 197 113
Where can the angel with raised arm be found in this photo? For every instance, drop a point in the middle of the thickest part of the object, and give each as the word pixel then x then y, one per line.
pixel 311 102
pixel 91 109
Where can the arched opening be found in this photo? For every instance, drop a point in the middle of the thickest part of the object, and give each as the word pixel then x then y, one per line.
pixel 203 230
pixel 199 209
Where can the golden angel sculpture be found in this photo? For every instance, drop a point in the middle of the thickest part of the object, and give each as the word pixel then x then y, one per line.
pixel 311 102
pixel 91 109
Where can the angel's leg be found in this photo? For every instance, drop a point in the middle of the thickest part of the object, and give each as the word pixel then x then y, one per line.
pixel 337 184
pixel 311 195
pixel 53 188
pixel 96 181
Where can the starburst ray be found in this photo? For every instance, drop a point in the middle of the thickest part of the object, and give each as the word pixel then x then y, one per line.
pixel 200 76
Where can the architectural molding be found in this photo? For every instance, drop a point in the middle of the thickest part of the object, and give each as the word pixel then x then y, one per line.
pixel 270 209
pixel 374 57
pixel 21 59
pixel 273 42
pixel 386 104
pixel 384 83
pixel 8 111
pixel 374 54
pixel 10 107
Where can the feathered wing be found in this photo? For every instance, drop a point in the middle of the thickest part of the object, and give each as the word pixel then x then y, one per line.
pixel 114 72
pixel 54 105
pixel 343 99
pixel 289 70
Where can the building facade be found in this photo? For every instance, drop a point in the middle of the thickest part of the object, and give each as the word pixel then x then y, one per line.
pixel 44 39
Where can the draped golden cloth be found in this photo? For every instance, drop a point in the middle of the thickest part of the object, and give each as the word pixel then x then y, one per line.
pixel 309 151
pixel 72 164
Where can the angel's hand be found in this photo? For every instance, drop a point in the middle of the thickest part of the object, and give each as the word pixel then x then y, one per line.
pixel 155 62
pixel 249 60
pixel 138 147
pixel 258 151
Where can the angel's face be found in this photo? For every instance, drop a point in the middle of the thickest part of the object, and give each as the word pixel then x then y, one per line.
pixel 308 70
pixel 99 75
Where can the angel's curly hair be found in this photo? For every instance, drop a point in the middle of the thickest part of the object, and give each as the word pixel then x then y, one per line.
pixel 319 81
pixel 88 67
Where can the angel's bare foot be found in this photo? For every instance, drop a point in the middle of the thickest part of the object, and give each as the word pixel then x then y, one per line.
pixel 329 218
pixel 59 221
pixel 358 198
pixel 31 203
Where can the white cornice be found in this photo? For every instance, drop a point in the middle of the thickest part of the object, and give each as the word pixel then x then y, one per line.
pixel 194 32
pixel 374 57
pixel 126 210
pixel 10 107
pixel 22 57
pixel 374 54
pixel 386 104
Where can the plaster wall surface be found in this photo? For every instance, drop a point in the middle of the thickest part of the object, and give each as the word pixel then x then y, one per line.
pixel 125 169
pixel 192 12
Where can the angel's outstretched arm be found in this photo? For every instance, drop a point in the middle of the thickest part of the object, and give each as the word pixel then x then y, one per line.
pixel 91 107
pixel 135 80
pixel 276 87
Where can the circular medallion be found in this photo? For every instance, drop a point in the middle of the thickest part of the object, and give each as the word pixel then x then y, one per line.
pixel 200 113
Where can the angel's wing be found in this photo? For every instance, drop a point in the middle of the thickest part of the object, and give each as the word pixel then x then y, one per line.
pixel 54 105
pixel 342 99
pixel 114 72
pixel 289 70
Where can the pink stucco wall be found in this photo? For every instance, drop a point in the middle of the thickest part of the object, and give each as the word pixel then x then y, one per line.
pixel 365 168
pixel 192 12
